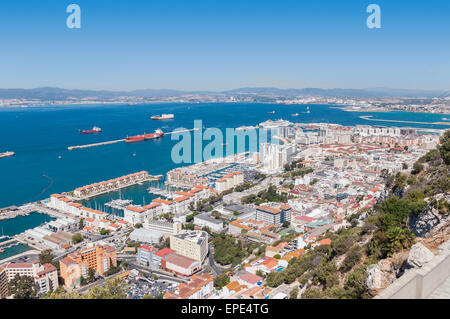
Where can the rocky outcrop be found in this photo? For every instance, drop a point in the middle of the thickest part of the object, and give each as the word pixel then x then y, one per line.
pixel 419 255
pixel 380 275
pixel 430 221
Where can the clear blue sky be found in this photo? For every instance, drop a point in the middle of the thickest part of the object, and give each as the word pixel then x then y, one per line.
pixel 217 45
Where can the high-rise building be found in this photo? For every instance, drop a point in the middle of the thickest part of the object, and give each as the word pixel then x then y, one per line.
pixel 76 265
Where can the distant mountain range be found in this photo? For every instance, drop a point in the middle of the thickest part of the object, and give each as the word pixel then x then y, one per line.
pixel 51 93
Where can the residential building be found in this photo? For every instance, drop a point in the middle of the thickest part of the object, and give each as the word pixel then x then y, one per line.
pixel 76 265
pixel 191 244
pixel 199 287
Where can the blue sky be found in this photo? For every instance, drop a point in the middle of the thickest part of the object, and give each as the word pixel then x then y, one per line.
pixel 218 45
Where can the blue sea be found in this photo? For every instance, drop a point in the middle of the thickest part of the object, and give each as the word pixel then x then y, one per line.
pixel 40 135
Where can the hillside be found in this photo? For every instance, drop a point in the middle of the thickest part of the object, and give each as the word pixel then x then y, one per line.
pixel 370 254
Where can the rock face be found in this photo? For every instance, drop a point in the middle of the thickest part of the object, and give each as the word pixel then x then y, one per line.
pixel 380 275
pixel 419 255
pixel 425 221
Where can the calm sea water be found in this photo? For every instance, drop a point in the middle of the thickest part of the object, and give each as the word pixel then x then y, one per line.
pixel 11 227
pixel 40 135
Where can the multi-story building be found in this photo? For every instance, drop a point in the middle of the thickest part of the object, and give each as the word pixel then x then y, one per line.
pixel 191 244
pixel 272 215
pixel 162 226
pixel 275 156
pixel 76 265
pixel 3 283
pixel 213 224
pixel 45 276
pixel 229 181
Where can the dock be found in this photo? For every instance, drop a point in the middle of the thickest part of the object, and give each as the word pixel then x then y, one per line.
pixel 70 148
pixel 369 118
pixel 94 144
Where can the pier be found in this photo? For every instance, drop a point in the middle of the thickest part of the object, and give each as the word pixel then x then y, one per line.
pixel 70 148
pixel 369 118
pixel 94 144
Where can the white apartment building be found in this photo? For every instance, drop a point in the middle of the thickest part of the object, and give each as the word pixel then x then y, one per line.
pixel 191 244
pixel 213 224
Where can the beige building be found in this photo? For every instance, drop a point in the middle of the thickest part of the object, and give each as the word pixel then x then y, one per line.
pixel 191 244
pixel 45 276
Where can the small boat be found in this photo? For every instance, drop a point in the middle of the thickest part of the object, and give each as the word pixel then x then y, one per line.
pixel 162 117
pixel 295 114
pixel 273 112
pixel 94 130
pixel 307 109
pixel 6 154
pixel 445 119
pixel 134 154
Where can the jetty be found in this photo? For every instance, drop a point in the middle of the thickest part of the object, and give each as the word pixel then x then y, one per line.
pixel 94 144
pixel 70 148
pixel 369 118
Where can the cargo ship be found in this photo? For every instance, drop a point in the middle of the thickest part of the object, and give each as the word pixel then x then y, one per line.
pixel 163 117
pixel 158 133
pixel 6 154
pixel 95 129
pixel 139 138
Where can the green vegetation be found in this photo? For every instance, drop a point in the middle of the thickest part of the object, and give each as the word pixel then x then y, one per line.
pixel 22 287
pixel 269 195
pixel 77 238
pixel 221 280
pixel 46 256
pixel 227 250
pixel 190 217
pixel 138 225
pixel 114 289
pixel 104 232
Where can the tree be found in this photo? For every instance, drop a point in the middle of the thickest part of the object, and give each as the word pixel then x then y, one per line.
pixel 104 232
pixel 444 148
pixel 356 284
pixel 352 257
pixel 91 275
pixel 76 238
pixel 294 293
pixel 138 225
pixel 22 287
pixel 312 293
pixel 404 166
pixel 417 168
pixel 221 280
pixel 81 224
pixel 114 289
pixel 46 257
pixel 277 256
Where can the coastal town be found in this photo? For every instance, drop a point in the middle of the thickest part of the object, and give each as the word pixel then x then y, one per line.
pixel 224 228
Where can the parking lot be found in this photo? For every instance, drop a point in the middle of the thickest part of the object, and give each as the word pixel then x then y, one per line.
pixel 140 286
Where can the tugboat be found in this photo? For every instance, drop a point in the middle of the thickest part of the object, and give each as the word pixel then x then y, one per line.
pixel 94 130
